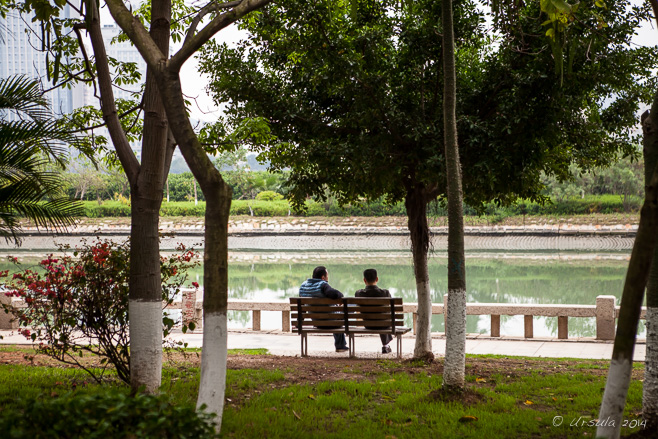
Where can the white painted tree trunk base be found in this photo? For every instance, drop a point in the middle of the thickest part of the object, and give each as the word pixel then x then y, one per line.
pixel 213 366
pixel 614 399
pixel 650 388
pixel 423 346
pixel 455 363
pixel 145 345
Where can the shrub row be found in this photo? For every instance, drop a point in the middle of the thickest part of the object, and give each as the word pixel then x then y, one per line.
pixel 111 414
pixel 261 208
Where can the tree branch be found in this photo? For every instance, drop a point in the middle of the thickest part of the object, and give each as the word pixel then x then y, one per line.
pixel 100 125
pixel 128 160
pixel 654 6
pixel 194 43
pixel 137 34
pixel 210 7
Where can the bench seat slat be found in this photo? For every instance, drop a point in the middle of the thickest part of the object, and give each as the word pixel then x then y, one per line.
pixel 378 316
pixel 401 330
pixel 375 323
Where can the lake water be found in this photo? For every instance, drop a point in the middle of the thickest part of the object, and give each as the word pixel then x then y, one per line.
pixel 494 277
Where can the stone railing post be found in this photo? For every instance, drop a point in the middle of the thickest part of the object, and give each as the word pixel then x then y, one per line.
pixel 605 317
pixel 188 308
pixel 285 321
pixel 7 320
pixel 255 320
pixel 495 325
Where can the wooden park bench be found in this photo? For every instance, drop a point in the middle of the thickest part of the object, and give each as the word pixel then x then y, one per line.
pixel 349 315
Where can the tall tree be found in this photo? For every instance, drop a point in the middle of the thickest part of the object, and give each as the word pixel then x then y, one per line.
pixel 352 94
pixel 166 74
pixel 455 316
pixel 650 385
pixel 148 177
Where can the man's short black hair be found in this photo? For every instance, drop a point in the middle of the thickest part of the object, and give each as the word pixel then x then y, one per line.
pixel 319 272
pixel 370 275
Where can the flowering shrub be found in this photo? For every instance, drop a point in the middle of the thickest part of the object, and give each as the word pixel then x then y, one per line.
pixel 79 304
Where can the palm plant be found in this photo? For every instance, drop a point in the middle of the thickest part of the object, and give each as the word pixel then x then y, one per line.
pixel 32 146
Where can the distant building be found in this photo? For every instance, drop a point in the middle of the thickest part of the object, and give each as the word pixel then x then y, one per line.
pixel 20 54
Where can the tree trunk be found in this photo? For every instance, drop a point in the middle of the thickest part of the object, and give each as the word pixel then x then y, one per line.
pixel 218 202
pixel 455 362
pixel 619 374
pixel 417 222
pixel 146 180
pixel 218 193
pixel 215 279
pixel 650 390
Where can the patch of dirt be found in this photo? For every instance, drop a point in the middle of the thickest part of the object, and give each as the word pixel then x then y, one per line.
pixel 311 370
pixel 467 397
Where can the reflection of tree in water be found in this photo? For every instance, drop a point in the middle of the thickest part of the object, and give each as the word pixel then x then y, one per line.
pixel 239 319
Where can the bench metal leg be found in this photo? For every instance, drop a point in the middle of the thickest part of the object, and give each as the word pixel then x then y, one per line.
pixel 399 345
pixel 304 345
pixel 352 354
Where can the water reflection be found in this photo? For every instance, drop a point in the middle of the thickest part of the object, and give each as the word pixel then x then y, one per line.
pixel 513 277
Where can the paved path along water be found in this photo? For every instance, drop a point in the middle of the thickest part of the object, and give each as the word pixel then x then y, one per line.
pixel 370 347
pixel 289 344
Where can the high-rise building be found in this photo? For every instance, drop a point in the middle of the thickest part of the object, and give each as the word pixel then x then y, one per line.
pixel 21 54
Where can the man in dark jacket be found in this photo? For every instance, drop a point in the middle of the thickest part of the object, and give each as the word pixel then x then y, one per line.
pixel 318 286
pixel 372 290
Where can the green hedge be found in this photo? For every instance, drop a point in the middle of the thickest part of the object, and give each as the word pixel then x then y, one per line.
pixel 111 414
pixel 260 208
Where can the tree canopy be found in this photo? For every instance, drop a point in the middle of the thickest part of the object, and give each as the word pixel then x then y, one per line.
pixel 352 93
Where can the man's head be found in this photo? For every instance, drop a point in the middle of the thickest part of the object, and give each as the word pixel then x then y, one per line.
pixel 370 276
pixel 321 273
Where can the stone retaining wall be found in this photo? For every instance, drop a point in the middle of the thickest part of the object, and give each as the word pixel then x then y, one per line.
pixel 309 237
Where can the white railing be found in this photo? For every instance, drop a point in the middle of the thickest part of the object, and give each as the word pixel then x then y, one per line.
pixel 604 311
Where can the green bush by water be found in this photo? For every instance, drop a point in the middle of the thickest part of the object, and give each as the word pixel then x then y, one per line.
pixel 263 208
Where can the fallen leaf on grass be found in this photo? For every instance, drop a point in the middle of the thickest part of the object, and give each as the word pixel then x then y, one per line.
pixel 528 402
pixel 468 418
pixel 311 396
pixel 480 380
pixel 296 415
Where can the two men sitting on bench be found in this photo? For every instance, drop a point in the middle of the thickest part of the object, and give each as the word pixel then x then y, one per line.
pixel 318 286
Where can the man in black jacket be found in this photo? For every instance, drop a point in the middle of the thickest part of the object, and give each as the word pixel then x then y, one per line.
pixel 372 290
pixel 318 286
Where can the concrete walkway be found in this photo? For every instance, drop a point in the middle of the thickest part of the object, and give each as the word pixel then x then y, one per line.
pixel 369 346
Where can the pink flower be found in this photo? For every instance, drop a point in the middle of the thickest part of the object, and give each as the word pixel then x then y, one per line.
pixel 195 284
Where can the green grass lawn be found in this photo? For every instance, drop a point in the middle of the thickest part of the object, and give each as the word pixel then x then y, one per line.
pixel 301 398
